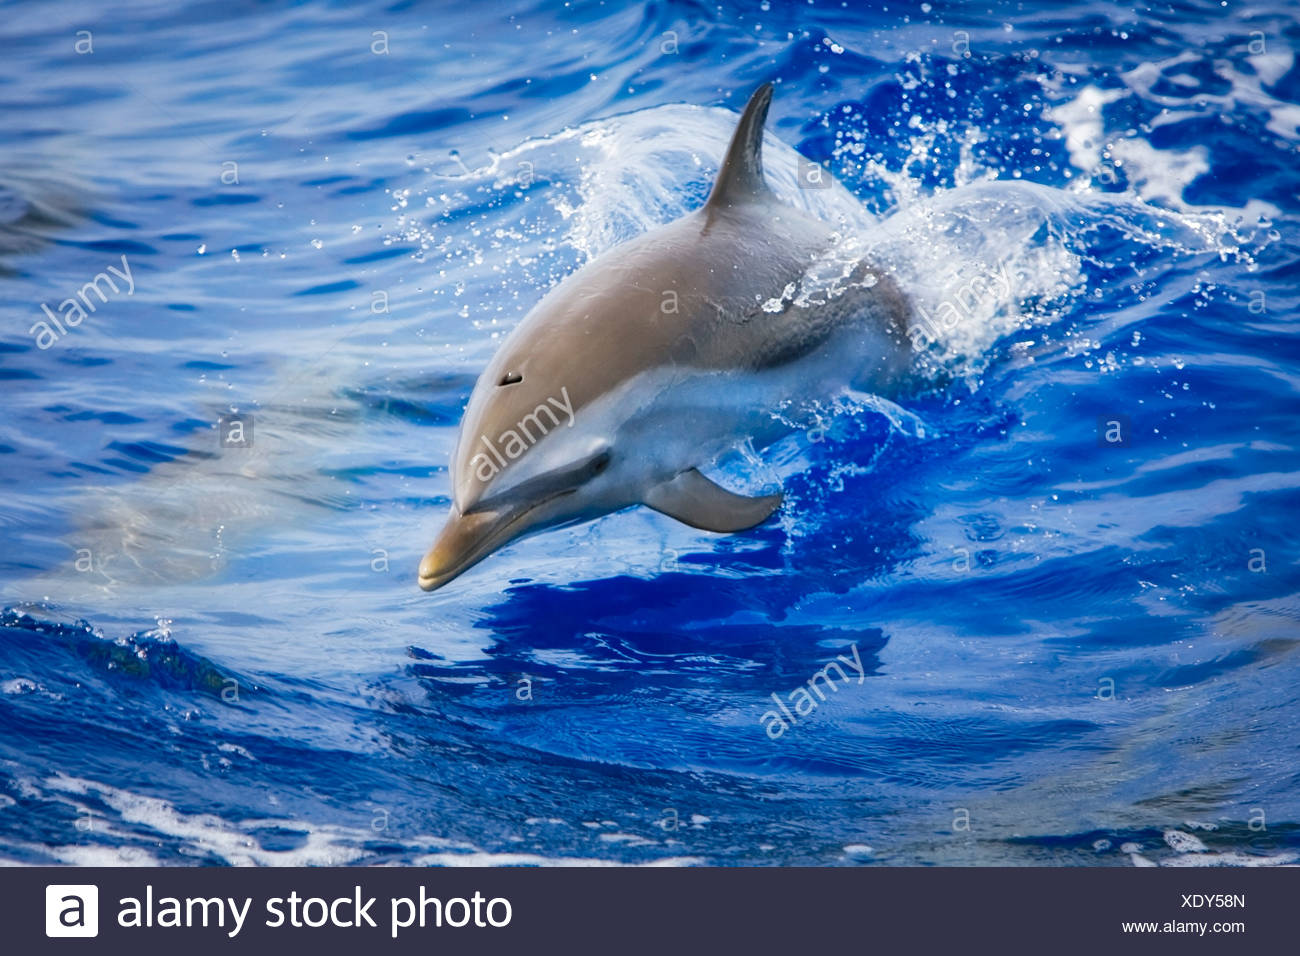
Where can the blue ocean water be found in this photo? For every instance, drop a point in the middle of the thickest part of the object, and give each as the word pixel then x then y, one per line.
pixel 1073 650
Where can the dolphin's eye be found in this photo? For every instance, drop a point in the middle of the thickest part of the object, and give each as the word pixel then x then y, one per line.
pixel 599 463
pixel 510 378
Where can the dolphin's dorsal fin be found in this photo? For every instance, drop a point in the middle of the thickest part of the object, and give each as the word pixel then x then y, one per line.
pixel 695 500
pixel 741 176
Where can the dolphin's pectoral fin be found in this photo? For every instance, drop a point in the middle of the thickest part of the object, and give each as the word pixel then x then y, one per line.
pixel 695 500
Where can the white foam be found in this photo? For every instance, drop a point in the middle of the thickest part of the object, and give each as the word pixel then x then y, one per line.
pixel 98 855
pixel 1081 120
pixel 1190 850
pixel 236 843
pixel 1183 842
pixel 533 859
pixel 206 834
pixel 618 177
pixel 1233 858
pixel 1161 175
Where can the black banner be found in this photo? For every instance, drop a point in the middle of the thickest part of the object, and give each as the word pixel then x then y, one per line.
pixel 210 910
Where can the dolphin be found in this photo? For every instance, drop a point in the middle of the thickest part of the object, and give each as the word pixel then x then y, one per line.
pixel 659 356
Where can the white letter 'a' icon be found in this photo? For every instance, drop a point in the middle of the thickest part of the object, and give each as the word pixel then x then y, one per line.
pixel 72 909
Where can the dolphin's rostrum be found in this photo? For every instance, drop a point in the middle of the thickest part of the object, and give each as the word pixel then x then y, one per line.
pixel 658 357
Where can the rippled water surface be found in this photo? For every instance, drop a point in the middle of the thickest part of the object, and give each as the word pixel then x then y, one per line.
pixel 1072 651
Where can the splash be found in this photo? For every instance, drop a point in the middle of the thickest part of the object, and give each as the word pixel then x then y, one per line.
pixel 991 267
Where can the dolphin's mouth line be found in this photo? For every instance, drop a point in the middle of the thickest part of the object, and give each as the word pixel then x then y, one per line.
pixel 485 546
pixel 531 508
